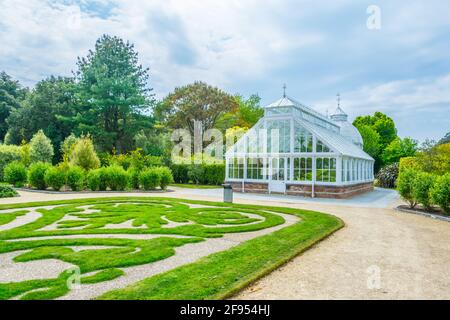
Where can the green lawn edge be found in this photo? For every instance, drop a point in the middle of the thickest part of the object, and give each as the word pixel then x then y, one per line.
pixel 194 186
pixel 221 275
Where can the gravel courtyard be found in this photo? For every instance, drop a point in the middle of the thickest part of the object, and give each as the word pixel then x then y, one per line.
pixel 380 254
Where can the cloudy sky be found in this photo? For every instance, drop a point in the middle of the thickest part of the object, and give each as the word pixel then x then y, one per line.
pixel 317 47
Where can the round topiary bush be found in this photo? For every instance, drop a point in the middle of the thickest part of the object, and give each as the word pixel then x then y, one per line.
pixel 15 173
pixel 117 179
pixel 166 177
pixel 405 186
pixel 422 184
pixel 440 192
pixel 55 178
pixel 75 178
pixel 94 180
pixel 150 179
pixel 36 175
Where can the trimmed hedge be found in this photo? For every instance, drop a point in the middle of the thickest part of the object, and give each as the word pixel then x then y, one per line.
pixel 15 173
pixel 36 175
pixel 117 179
pixel 215 174
pixel 134 177
pixel 207 174
pixel 165 176
pixel 150 179
pixel 55 178
pixel 76 178
pixel 93 180
pixel 180 173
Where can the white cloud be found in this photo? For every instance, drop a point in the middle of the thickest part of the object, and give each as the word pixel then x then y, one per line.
pixel 221 41
pixel 420 107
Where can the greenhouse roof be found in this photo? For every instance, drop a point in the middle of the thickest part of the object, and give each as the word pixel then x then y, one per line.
pixel 335 140
pixel 289 102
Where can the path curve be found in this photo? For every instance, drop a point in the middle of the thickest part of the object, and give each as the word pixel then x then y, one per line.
pixel 380 254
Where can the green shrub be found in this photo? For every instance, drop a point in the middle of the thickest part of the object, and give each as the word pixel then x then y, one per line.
pixel 421 189
pixel 36 175
pixel 440 192
pixel 197 174
pixel 76 178
pixel 180 173
pixel 94 180
pixel 8 154
pixel 405 186
pixel 55 178
pixel 166 177
pixel 41 148
pixel 134 178
pixel 388 175
pixel 133 159
pixel 150 179
pixel 6 191
pixel 214 174
pixel 83 154
pixel 15 173
pixel 117 179
pixel 409 163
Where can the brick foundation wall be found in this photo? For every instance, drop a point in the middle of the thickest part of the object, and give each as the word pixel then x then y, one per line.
pixel 335 192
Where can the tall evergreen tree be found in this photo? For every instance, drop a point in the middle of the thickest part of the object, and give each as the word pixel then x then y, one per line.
pixel 114 94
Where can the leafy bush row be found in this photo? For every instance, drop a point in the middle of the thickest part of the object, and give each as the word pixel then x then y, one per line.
pixel 425 188
pixel 42 175
pixel 207 174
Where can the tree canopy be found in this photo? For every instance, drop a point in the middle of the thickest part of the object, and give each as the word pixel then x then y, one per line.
pixel 195 102
pixel 399 148
pixel 47 107
pixel 382 124
pixel 378 131
pixel 11 95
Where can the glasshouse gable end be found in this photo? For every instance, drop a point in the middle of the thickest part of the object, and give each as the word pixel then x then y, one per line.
pixel 296 150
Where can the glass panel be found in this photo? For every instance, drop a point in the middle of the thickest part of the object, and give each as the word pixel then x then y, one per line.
pixel 322 148
pixel 278 111
pixel 283 129
pixel 303 141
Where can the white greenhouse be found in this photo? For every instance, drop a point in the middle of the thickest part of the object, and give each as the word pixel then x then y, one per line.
pixel 296 150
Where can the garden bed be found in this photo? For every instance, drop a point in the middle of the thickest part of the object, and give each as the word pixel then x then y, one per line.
pixel 116 242
pixel 435 214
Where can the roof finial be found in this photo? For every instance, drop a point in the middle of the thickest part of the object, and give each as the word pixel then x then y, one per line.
pixel 339 100
pixel 284 90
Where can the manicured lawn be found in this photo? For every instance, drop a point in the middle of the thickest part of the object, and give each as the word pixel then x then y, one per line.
pixel 216 276
pixel 221 275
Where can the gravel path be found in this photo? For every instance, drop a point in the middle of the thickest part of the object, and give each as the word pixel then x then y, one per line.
pixel 380 254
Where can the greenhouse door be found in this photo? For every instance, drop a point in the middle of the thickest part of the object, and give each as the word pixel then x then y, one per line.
pixel 277 178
